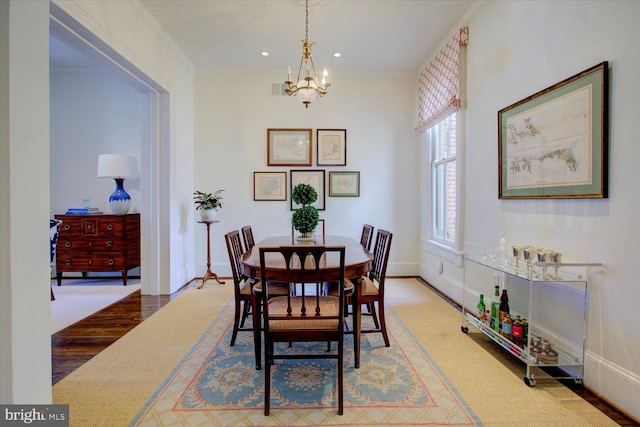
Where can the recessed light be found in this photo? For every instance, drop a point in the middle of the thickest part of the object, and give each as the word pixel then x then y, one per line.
pixel 337 54
pixel 264 53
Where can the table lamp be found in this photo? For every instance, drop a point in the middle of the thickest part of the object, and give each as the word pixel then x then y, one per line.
pixel 118 167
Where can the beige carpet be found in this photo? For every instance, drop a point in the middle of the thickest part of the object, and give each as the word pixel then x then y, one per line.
pixel 110 389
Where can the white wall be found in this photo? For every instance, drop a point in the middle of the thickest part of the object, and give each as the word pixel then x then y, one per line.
pixel 129 36
pixel 123 27
pixel 92 112
pixel 233 111
pixel 25 354
pixel 517 49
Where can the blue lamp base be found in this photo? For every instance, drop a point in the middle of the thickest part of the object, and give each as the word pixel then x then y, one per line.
pixel 120 201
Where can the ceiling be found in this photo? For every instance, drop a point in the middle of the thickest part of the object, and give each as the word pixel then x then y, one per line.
pixel 373 35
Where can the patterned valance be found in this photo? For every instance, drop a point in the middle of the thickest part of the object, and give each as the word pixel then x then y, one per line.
pixel 438 95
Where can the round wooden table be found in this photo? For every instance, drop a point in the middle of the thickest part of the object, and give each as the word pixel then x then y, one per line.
pixel 358 261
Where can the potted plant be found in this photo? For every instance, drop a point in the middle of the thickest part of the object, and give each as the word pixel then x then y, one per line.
pixel 305 219
pixel 207 203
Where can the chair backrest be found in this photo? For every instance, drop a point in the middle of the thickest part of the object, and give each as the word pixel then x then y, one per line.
pixel 234 248
pixel 54 232
pixel 367 234
pixel 381 258
pixel 247 236
pixel 304 266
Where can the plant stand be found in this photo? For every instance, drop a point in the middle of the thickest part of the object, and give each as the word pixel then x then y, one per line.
pixel 209 274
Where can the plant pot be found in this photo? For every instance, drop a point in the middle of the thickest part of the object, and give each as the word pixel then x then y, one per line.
pixel 208 214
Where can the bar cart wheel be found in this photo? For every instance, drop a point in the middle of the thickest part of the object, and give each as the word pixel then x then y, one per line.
pixel 464 329
pixel 529 381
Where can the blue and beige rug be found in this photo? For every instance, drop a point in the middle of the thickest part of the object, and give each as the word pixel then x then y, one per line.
pixel 217 385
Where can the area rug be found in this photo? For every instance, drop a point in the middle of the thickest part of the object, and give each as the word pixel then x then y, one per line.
pixel 218 385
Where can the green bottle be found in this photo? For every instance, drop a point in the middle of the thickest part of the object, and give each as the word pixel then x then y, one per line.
pixel 482 308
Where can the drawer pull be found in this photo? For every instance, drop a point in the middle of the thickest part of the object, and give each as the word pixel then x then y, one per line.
pixel 68 262
pixel 90 262
pixel 88 226
pixel 67 244
pixel 111 261
pixel 89 243
pixel 109 243
pixel 110 227
pixel 67 226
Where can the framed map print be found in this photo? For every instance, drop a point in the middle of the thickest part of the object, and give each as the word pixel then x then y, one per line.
pixel 554 144
pixel 331 147
pixel 269 186
pixel 314 178
pixel 288 147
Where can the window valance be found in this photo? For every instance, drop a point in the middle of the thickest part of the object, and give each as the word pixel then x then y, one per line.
pixel 438 86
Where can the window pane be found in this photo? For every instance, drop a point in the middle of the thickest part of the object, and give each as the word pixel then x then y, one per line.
pixel 451 135
pixel 437 142
pixel 451 201
pixel 439 201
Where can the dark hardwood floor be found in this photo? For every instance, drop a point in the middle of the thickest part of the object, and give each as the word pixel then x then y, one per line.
pixel 73 346
pixel 78 343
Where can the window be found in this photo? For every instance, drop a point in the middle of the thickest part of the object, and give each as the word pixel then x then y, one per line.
pixel 442 145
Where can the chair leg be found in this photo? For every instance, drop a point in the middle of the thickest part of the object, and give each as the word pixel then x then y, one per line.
pixel 372 309
pixel 245 313
pixel 257 333
pixel 236 323
pixel 267 377
pixel 53 297
pixel 341 377
pixel 383 324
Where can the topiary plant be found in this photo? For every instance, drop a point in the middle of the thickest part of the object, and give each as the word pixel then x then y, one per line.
pixel 304 219
pixel 304 194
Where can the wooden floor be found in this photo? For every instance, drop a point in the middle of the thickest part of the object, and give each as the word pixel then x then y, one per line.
pixel 78 343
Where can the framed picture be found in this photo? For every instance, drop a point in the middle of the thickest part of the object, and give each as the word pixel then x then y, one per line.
pixel 331 147
pixel 554 144
pixel 344 184
pixel 288 147
pixel 269 186
pixel 314 178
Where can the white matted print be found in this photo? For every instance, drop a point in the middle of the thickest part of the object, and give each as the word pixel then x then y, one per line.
pixel 314 178
pixel 331 147
pixel 269 186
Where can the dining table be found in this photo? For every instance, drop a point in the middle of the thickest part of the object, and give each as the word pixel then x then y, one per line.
pixel 358 262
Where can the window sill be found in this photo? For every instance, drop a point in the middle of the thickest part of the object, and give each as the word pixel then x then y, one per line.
pixel 443 251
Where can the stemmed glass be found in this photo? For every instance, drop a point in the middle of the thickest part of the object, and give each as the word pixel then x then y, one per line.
pixel 527 254
pixel 543 256
pixel 555 257
pixel 517 251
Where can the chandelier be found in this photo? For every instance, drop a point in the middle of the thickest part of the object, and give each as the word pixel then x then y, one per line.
pixel 308 87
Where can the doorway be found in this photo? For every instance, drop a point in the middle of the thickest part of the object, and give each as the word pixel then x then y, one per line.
pixel 87 49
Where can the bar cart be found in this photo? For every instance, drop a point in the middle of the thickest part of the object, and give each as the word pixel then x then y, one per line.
pixel 549 302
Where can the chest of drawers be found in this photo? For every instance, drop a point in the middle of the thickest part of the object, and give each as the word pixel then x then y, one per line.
pixel 98 243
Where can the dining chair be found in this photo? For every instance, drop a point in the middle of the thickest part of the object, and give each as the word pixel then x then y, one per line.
pixel 54 232
pixel 246 296
pixel 247 236
pixel 371 291
pixel 365 238
pixel 306 317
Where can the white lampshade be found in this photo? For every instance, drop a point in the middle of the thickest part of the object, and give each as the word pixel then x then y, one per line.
pixel 117 166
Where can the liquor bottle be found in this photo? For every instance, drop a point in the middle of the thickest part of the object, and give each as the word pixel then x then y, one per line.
pixel 525 331
pixel 481 309
pixel 516 331
pixel 504 306
pixel 507 327
pixel 495 309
